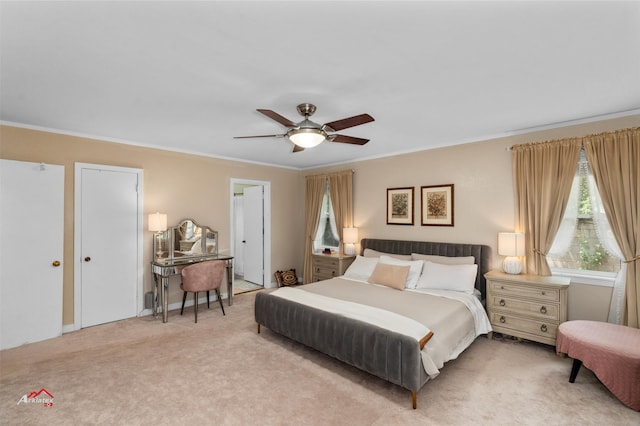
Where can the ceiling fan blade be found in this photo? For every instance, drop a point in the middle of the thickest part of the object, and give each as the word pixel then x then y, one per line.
pixel 277 117
pixel 348 139
pixel 259 136
pixel 297 148
pixel 345 123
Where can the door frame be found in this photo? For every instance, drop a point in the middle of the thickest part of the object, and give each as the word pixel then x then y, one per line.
pixel 266 247
pixel 77 239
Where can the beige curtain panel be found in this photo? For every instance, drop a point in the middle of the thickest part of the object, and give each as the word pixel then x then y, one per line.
pixel 313 204
pixel 543 173
pixel 341 192
pixel 615 161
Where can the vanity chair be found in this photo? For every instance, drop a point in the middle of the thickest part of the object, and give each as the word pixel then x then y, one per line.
pixel 203 276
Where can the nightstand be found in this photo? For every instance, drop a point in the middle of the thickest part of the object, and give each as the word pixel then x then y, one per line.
pixel 327 266
pixel 527 306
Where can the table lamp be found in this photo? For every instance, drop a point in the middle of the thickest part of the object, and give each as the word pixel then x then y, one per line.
pixel 511 244
pixel 350 238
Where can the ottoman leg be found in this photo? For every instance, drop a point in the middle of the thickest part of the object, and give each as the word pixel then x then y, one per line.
pixel 574 370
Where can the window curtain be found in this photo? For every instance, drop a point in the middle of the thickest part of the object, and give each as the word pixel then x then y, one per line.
pixel 615 162
pixel 341 193
pixel 313 203
pixel 543 174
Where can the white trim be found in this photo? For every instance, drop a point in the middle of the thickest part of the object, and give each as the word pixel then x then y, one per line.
pixel 604 279
pixel 266 249
pixel 77 241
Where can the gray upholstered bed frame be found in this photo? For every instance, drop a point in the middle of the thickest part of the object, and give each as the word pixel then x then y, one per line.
pixel 397 357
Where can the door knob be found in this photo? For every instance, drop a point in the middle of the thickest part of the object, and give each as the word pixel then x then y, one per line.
pixel 56 263
pixel 87 259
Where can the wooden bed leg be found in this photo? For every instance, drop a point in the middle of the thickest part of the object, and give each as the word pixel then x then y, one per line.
pixel 413 399
pixel 258 328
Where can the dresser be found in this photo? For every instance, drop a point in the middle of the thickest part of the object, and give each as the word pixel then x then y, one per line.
pixel 527 306
pixel 326 266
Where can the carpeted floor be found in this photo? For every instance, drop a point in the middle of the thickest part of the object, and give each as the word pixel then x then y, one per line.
pixel 220 371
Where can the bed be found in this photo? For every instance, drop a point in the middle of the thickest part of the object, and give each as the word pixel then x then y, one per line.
pixel 362 318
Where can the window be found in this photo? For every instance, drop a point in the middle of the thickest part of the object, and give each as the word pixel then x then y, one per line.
pixel 584 241
pixel 327 235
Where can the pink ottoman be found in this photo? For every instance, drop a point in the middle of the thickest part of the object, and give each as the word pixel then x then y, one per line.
pixel 611 351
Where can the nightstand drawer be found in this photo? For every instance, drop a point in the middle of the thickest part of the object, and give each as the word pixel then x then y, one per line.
pixel 325 262
pixel 322 271
pixel 538 328
pixel 542 310
pixel 511 289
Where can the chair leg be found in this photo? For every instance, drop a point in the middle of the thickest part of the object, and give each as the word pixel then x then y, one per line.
pixel 184 298
pixel 574 370
pixel 195 304
pixel 220 300
pixel 208 299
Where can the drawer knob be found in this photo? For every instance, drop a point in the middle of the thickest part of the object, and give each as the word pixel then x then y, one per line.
pixel 503 319
pixel 502 302
pixel 543 328
pixel 501 287
pixel 543 310
pixel 543 293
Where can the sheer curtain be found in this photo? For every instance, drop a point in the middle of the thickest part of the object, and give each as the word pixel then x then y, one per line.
pixel 543 174
pixel 614 158
pixel 608 240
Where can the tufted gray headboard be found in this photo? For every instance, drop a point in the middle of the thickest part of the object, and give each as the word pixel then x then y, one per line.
pixel 481 253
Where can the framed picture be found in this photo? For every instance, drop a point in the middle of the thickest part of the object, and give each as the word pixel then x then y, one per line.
pixel 400 206
pixel 437 205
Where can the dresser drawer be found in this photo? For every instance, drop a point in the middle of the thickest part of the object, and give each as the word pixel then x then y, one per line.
pixel 538 328
pixel 321 271
pixel 542 294
pixel 325 262
pixel 548 311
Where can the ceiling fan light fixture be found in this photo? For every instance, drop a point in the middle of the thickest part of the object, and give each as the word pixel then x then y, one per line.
pixel 307 138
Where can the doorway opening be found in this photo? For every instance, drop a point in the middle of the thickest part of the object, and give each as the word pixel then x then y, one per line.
pixel 250 234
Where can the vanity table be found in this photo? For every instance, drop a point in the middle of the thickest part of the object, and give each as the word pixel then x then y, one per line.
pixel 178 247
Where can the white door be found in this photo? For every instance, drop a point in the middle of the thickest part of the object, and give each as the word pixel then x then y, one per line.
pixel 31 245
pixel 254 234
pixel 108 252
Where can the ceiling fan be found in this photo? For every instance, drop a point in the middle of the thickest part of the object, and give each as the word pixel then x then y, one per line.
pixel 307 134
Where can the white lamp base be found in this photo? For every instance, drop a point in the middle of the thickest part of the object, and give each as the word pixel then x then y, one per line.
pixel 349 249
pixel 512 265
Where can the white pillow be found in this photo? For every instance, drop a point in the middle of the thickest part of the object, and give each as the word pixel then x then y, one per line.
pixel 415 268
pixel 448 277
pixel 375 253
pixel 361 268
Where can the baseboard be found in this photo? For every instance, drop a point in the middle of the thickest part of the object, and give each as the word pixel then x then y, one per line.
pixel 68 328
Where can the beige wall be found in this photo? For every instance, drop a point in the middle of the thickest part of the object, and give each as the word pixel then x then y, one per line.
pixel 181 185
pixel 185 185
pixel 483 189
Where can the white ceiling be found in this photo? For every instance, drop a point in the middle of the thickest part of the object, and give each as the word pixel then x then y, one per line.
pixel 188 76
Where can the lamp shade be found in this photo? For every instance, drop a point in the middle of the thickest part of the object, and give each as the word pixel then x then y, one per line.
pixel 157 222
pixel 307 138
pixel 350 235
pixel 510 244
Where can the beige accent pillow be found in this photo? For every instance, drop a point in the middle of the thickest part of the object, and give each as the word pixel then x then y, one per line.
pixel 375 253
pixel 393 276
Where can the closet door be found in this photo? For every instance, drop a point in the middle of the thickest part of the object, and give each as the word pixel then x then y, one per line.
pixel 31 252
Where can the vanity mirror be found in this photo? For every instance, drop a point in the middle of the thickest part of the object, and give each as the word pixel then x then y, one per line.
pixel 185 241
